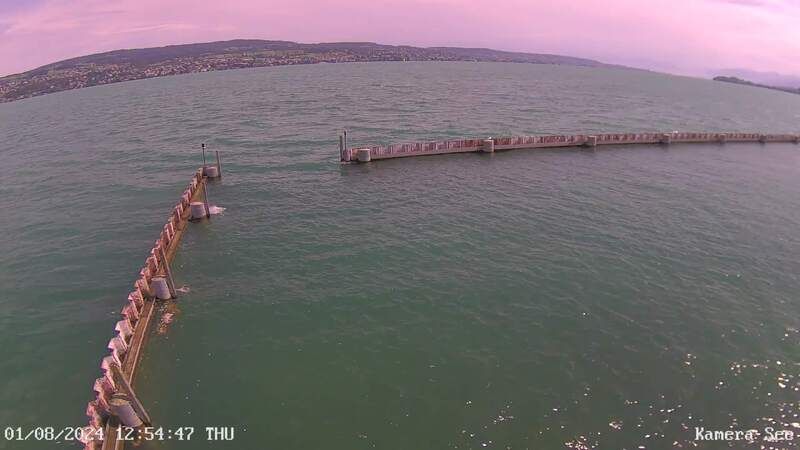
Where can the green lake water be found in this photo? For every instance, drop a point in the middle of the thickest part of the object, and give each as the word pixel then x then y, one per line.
pixel 537 299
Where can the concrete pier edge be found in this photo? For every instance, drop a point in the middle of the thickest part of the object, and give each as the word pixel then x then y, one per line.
pixel 127 346
pixel 484 145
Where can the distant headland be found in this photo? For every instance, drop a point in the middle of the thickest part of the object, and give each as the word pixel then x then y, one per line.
pixel 127 65
pixel 736 80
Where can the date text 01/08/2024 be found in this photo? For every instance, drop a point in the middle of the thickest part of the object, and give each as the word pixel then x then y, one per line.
pixel 86 434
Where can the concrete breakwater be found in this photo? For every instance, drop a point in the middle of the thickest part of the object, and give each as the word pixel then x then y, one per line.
pixel 490 145
pixel 115 404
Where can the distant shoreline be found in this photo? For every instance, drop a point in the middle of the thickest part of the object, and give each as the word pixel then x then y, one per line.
pixel 128 65
pixel 735 80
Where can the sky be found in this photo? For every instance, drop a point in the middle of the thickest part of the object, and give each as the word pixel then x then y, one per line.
pixel 689 37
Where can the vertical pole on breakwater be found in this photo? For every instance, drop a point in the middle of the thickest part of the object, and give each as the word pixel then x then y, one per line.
pixel 126 388
pixel 344 152
pixel 205 198
pixel 170 280
pixel 203 147
pixel 219 166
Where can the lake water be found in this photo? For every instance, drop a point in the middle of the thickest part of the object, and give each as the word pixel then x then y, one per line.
pixel 529 299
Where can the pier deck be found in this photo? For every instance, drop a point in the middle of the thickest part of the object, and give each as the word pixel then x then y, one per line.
pixel 489 145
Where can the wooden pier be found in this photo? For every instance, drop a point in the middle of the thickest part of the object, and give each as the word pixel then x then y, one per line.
pixel 490 145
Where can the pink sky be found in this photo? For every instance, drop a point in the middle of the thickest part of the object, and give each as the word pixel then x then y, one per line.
pixel 681 36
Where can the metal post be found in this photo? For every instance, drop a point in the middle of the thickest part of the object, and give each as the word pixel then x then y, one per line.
pixel 205 199
pixel 167 270
pixel 128 390
pixel 341 148
pixel 345 139
pixel 203 146
pixel 219 166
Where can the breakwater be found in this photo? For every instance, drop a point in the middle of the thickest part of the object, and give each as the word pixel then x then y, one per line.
pixel 115 405
pixel 490 145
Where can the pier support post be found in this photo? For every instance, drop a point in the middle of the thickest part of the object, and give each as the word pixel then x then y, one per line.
pixel 591 141
pixel 198 210
pixel 122 408
pixel 168 272
pixel 363 155
pixel 211 171
pixel 205 199
pixel 161 288
pixel 344 152
pixel 132 400
pixel 487 146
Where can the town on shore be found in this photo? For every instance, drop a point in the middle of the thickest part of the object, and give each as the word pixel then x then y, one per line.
pixel 126 65
pixel 736 80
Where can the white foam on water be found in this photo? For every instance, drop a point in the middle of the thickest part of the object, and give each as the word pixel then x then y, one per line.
pixel 215 209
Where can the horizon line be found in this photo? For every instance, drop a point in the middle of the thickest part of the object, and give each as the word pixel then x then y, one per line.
pixel 526 52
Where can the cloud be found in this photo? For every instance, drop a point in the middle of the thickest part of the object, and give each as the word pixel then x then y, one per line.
pixel 757 3
pixel 767 4
pixel 686 36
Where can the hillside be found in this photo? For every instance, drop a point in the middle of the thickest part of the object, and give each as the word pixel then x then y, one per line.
pixel 736 80
pixel 125 65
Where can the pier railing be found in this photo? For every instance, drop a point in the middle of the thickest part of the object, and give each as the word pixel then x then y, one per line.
pixel 489 145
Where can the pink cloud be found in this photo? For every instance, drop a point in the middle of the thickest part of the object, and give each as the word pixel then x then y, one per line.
pixel 684 36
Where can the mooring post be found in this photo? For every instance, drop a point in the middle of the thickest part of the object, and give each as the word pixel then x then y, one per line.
pixel 122 408
pixel 363 155
pixel 127 390
pixel 161 288
pixel 487 146
pixel 167 270
pixel 219 166
pixel 198 210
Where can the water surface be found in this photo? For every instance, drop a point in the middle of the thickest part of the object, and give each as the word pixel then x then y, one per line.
pixel 528 299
